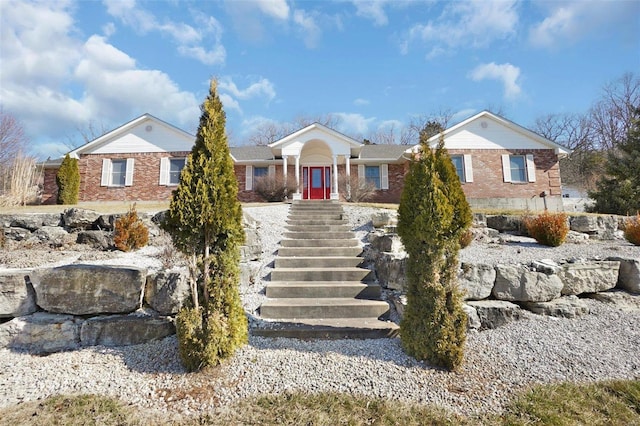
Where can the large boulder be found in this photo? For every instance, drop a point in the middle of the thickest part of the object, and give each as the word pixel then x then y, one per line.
pixel 252 248
pixel 382 242
pixel 17 297
pixel 629 274
pixel 603 227
pixel 17 234
pixel 41 333
pixel 520 284
pixel 384 218
pixel 75 218
pixel 31 221
pixel 621 299
pixel 123 330
pixel 99 240
pixel 589 277
pixel 89 289
pixel 564 307
pixel 476 280
pixel 506 223
pixel 54 235
pixel 495 313
pixel 166 291
pixel 391 269
pixel 473 320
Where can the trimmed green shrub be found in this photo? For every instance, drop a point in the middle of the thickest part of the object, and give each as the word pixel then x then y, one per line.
pixel 130 232
pixel 205 223
pixel 549 229
pixel 632 230
pixel 432 216
pixel 68 181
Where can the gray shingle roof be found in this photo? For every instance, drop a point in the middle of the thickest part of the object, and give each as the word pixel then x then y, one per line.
pixel 383 152
pixel 251 153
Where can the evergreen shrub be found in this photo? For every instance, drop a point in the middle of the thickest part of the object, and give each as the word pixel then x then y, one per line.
pixel 68 181
pixel 632 230
pixel 549 229
pixel 130 232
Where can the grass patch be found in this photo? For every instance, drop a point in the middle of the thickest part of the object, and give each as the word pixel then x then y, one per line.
pixel 605 403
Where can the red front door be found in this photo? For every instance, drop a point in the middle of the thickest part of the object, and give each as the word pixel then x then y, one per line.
pixel 317 183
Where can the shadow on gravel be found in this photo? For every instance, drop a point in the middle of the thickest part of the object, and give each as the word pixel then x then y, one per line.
pixel 160 356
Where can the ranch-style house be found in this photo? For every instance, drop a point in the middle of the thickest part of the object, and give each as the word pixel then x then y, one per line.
pixel 500 164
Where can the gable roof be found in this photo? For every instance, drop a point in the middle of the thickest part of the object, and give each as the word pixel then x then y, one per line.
pixel 319 127
pixel 559 149
pixel 124 129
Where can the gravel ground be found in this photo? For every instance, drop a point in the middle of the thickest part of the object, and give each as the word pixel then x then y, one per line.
pixel 601 345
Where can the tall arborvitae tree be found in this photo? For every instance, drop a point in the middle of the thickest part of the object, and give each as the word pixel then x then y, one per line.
pixel 619 192
pixel 205 223
pixel 432 216
pixel 68 180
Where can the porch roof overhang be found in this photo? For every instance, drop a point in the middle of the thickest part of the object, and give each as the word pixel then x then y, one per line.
pixel 338 143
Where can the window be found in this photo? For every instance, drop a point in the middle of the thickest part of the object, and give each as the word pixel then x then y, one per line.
pixel 252 173
pixel 458 162
pixel 372 175
pixel 518 168
pixel 260 171
pixel 117 172
pixel 170 169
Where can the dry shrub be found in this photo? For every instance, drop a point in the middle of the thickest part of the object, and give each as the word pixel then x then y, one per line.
pixel 466 238
pixel 549 229
pixel 632 230
pixel 130 232
pixel 275 187
pixel 355 189
pixel 19 182
pixel 3 239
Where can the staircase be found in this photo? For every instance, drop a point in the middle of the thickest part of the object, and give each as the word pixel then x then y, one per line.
pixel 317 289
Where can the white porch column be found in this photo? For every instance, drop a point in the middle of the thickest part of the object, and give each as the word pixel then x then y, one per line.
pixel 335 194
pixel 347 162
pixel 297 195
pixel 284 167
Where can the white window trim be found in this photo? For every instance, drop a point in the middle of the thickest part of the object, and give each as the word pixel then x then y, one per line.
pixel 107 169
pixel 248 181
pixel 383 174
pixel 530 168
pixel 165 170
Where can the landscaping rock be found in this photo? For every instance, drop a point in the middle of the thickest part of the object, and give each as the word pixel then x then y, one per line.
pixel 106 222
pixel 519 284
pixel 382 219
pixel 400 303
pixel 249 273
pixel 16 234
pixel 100 240
pixel 391 270
pixel 622 300
pixel 30 222
pixel 564 307
pixel 252 248
pixel 54 235
pixel 166 291
pixel 473 320
pixel 124 330
pixel 628 275
pixel 506 223
pixel 89 289
pixel 476 280
pixel 41 333
pixel 75 218
pixel 17 297
pixel 590 277
pixel 603 227
pixel 495 313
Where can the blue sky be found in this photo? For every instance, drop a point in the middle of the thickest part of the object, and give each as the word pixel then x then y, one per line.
pixel 371 64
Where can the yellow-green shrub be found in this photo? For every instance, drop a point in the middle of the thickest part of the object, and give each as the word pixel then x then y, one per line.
pixel 549 229
pixel 632 230
pixel 130 232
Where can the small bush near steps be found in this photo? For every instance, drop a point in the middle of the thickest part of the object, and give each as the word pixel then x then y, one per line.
pixel 632 230
pixel 130 232
pixel 549 229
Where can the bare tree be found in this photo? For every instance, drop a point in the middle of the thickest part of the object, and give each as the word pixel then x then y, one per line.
pixel 86 134
pixel 391 135
pixel 269 132
pixel 12 139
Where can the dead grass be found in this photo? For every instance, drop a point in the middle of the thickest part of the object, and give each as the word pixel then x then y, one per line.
pixel 613 403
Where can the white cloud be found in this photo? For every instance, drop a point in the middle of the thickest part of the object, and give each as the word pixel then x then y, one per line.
pixel 189 39
pixel 55 88
pixel 372 9
pixel 262 87
pixel 468 23
pixel 507 74
pixel 109 29
pixel 361 102
pixel 463 114
pixel 351 123
pixel 568 22
pixel 229 103
pixel 275 8
pixel 308 28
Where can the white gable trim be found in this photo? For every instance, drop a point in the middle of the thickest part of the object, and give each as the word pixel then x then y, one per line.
pixel 319 127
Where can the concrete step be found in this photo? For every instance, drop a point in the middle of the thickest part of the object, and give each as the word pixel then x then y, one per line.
pixel 321 243
pixel 317 261
pixel 329 328
pixel 320 274
pixel 318 228
pixel 317 308
pixel 318 235
pixel 306 221
pixel 319 251
pixel 315 216
pixel 321 205
pixel 322 289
